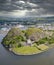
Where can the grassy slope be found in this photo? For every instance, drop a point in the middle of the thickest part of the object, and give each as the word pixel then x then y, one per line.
pixel 27 50
pixel 43 47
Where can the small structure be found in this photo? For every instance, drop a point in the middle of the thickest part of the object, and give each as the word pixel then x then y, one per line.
pixel 5 29
pixel 29 42
pixel 19 26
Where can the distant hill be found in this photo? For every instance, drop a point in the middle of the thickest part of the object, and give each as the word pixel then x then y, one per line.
pixel 28 20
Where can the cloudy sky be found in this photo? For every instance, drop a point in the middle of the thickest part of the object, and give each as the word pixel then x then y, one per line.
pixel 25 8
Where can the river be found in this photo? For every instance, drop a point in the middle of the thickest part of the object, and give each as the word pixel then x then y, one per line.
pixel 8 58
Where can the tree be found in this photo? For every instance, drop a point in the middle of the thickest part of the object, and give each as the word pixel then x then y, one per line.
pixel 34 33
pixel 14 36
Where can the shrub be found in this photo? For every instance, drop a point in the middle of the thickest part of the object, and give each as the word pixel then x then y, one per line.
pixel 34 33
pixel 43 40
pixel 19 45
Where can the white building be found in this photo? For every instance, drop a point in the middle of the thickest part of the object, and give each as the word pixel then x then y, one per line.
pixel 5 29
pixel 29 42
pixel 45 26
pixel 19 26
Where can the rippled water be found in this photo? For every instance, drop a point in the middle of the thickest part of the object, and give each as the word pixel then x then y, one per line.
pixel 8 58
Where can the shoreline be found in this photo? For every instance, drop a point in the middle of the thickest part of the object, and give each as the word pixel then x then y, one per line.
pixel 51 46
pixel 42 51
pixel 19 53
pixel 28 54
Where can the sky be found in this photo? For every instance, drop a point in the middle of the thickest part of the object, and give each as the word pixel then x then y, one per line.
pixel 26 8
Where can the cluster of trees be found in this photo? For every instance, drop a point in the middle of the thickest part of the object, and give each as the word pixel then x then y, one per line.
pixel 15 37
pixel 46 40
pixel 35 33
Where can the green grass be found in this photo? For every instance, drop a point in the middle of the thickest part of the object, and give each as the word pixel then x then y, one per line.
pixel 26 50
pixel 43 47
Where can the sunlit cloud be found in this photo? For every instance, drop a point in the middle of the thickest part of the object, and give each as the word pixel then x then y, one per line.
pixel 25 8
pixel 20 2
pixel 15 13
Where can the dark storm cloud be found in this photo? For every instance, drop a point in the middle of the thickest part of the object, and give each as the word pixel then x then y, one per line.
pixel 34 7
pixel 9 5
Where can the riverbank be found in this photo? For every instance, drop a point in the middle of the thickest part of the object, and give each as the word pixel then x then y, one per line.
pixel 9 58
pixel 25 42
pixel 29 50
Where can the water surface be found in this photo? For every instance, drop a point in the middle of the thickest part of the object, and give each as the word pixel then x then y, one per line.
pixel 8 58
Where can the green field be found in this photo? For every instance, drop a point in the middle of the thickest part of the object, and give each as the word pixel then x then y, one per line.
pixel 27 50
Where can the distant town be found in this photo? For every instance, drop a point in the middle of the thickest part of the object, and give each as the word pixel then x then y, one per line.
pixel 44 26
pixel 46 23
